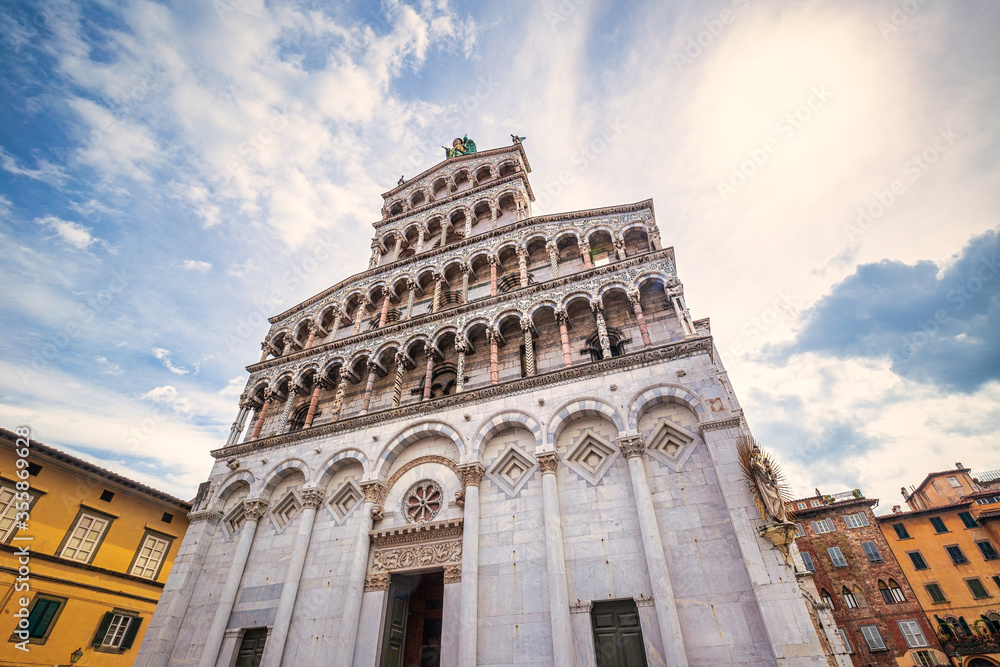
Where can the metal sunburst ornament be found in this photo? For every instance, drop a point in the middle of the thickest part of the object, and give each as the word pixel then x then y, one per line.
pixel 766 481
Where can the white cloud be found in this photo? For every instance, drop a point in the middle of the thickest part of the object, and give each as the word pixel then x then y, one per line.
pixel 46 171
pixel 164 356
pixel 108 368
pixel 197 266
pixel 72 233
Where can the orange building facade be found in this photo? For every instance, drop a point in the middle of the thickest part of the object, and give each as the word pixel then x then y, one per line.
pixel 948 546
pixel 84 574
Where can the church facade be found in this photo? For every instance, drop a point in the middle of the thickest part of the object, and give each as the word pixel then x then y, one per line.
pixel 506 442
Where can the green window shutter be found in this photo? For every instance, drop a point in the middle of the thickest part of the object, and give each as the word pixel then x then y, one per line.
pixel 102 629
pixel 41 616
pixel 133 630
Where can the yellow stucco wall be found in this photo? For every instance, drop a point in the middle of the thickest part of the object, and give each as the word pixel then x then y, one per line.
pixel 90 590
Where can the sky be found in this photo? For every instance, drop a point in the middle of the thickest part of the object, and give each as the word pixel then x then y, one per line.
pixel 172 173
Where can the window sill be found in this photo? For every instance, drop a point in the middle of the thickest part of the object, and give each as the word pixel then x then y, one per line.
pixel 108 649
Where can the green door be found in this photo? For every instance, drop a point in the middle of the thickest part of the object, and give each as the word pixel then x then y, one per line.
pixel 617 635
pixel 251 648
pixel 394 637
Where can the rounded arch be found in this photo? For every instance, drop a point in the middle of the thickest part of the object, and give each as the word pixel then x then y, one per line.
pixel 502 421
pixel 665 393
pixel 282 470
pixel 231 484
pixel 327 470
pixel 412 434
pixel 590 407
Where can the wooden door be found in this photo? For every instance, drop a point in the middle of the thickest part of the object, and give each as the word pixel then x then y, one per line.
pixel 617 634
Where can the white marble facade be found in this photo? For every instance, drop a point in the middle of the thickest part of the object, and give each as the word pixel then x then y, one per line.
pixel 565 481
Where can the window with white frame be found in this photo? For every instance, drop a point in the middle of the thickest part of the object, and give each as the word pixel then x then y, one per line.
pixel 85 537
pixel 801 506
pixel 955 483
pixel 837 557
pixel 117 631
pixel 871 550
pixel 8 512
pixel 823 526
pixel 814 503
pixel 856 520
pixel 843 638
pixel 873 637
pixel 150 557
pixel 849 599
pixel 925 658
pixel 827 599
pixel 913 635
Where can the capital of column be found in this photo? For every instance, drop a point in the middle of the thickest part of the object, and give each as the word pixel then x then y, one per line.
pixel 548 462
pixel 493 259
pixel 527 326
pixel 466 269
pixel 246 401
pixel 585 244
pixel 452 574
pixel 471 473
pixel 312 497
pixel 372 491
pixel 561 315
pixel 631 445
pixel 597 306
pixel 551 246
pixel 205 515
pixel 411 284
pixel 377 582
pixel 461 345
pixel 399 359
pixel 521 251
pixel 254 508
pixel 313 326
pixel 633 296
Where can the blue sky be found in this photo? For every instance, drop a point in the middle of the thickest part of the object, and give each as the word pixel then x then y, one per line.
pixel 171 173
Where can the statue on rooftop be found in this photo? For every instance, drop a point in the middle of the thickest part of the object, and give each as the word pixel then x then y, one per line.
pixel 459 147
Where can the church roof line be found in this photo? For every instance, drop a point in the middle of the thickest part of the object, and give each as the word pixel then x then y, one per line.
pixel 458 160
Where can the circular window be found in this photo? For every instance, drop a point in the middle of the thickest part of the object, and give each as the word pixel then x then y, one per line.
pixel 423 501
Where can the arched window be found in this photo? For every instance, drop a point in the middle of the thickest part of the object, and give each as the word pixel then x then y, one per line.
pixel 616 340
pixel 443 381
pixel 859 596
pixel 849 599
pixel 827 599
pixel 896 591
pixel 298 418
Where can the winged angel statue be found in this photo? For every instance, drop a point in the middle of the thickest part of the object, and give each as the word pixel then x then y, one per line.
pixel 463 146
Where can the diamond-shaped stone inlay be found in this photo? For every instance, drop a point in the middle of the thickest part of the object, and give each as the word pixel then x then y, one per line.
pixel 670 444
pixel 346 498
pixel 512 470
pixel 285 510
pixel 591 456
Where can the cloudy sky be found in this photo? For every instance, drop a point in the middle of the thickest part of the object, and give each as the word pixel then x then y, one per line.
pixel 826 172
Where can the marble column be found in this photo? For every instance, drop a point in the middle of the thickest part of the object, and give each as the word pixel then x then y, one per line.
pixel 338 397
pixel 633 298
pixel 619 249
pixel 656 561
pixel 337 317
pixel 585 254
pixel 367 398
pixel 264 351
pixel 654 238
pixel 452 621
pixel 241 418
pixel 359 315
pixel 465 283
pixel 494 356
pixel 472 475
pixel 313 401
pixel 493 216
pixel 461 348
pixel 522 265
pixel 261 416
pixel 385 308
pixel 274 648
pixel 376 257
pixel 436 301
pixel 356 578
pixel 444 233
pixel 286 347
pixel 399 247
pixel 493 275
pixel 313 328
pixel 468 226
pixel 553 257
pixel 529 349
pixel 420 241
pixel 680 309
pixel 562 318
pixel 411 287
pixel 397 383
pixel 602 330
pixel 161 637
pixel 252 511
pixel 555 565
pixel 293 389
pixel 429 373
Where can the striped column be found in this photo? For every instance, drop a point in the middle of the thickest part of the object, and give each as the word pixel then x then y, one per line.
pixel 562 318
pixel 461 348
pixel 602 330
pixel 522 265
pixel 359 315
pixel 529 349
pixel 553 257
pixel 633 298
pixel 367 399
pixel 397 384
pixel 411 287
pixel 338 398
pixel 494 356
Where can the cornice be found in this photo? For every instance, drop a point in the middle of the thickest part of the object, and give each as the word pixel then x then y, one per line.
pixel 717 424
pixel 638 359
pixel 499 231
pixel 417 532
pixel 479 304
pixel 457 160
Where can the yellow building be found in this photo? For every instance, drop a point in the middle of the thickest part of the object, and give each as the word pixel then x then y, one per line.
pixel 87 570
pixel 949 549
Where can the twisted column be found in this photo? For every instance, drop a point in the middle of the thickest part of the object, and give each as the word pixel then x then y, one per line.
pixel 356 576
pixel 283 422
pixel 468 226
pixel 493 216
pixel 553 257
pixel 436 301
pixel 461 348
pixel 632 447
pixel 337 317
pixel 420 241
pixel 585 253
pixel 286 347
pixel 492 336
pixel 522 265
pixel 465 283
pixel 602 330
pixel 493 275
pixel 633 298
pixel 529 350
pixel 472 475
pixel 376 256
pixel 397 384
pixel 274 647
pixel 367 399
pixel 261 415
pixel 252 511
pixel 555 564
pixel 411 286
pixel 429 373
pixel 562 318
pixel 338 397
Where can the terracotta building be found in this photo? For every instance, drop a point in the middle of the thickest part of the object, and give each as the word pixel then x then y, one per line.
pixel 856 574
pixel 949 548
pixel 86 571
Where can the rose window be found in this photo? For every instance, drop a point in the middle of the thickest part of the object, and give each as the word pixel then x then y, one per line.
pixel 423 501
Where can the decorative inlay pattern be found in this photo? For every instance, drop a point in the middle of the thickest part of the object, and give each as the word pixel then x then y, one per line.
pixel 344 500
pixel 512 470
pixel 422 502
pixel 452 574
pixel 591 457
